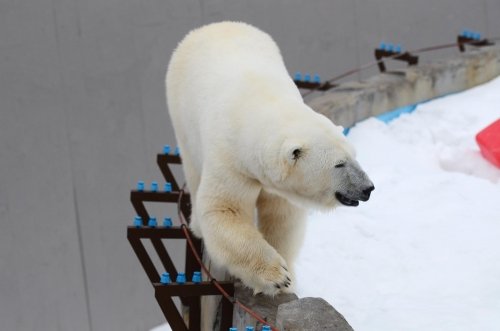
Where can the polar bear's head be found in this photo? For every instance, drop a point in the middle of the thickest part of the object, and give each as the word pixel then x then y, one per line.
pixel 315 165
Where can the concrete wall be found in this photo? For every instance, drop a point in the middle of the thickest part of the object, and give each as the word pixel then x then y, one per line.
pixel 82 115
pixel 352 102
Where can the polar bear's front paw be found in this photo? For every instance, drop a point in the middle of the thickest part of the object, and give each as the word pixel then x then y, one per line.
pixel 269 277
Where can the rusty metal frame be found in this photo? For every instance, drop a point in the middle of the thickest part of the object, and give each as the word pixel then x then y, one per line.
pixel 462 41
pixel 189 292
pixel 314 86
pixel 405 57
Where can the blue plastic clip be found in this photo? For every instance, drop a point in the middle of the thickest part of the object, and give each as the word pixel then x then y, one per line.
pixel 316 78
pixel 298 76
pixel 168 187
pixel 167 222
pixel 390 48
pixel 154 186
pixel 137 221
pixel 181 278
pixel 382 46
pixel 177 151
pixel 140 186
pixel 196 277
pixel 307 78
pixel 166 149
pixel 467 34
pixel 165 278
pixel 152 222
pixel 266 328
pixel 249 328
pixel 398 48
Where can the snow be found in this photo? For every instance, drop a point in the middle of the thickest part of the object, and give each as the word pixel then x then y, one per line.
pixel 424 252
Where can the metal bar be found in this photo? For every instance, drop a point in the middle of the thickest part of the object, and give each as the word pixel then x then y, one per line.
pixel 195 313
pixel 160 232
pixel 165 259
pixel 405 57
pixel 149 196
pixel 190 289
pixel 163 160
pixel 139 207
pixel 227 312
pixel 462 41
pixel 378 57
pixel 144 258
pixel 171 313
pixel 169 158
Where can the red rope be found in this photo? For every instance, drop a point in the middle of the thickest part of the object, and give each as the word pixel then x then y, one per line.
pixel 184 226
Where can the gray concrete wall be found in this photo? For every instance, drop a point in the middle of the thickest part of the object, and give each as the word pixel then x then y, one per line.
pixel 352 102
pixel 82 116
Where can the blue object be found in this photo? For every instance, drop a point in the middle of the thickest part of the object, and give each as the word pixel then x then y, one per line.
pixel 167 222
pixel 177 151
pixel 307 77
pixel 137 221
pixel 249 328
pixel 233 329
pixel 298 76
pixel 477 36
pixel 140 186
pixel 168 187
pixel 390 48
pixel 196 277
pixel 398 49
pixel 166 149
pixel 181 278
pixel 389 116
pixel 382 46
pixel 165 278
pixel 152 222
pixel 316 78
pixel 266 328
pixel 154 186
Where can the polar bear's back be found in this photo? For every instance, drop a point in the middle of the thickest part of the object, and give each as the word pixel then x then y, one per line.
pixel 214 75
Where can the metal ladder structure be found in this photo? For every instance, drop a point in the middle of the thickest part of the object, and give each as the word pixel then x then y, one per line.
pixel 189 292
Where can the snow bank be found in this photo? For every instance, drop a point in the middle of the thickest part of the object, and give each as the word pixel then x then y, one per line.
pixel 424 252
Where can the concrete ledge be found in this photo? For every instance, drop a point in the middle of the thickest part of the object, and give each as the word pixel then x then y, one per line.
pixel 356 101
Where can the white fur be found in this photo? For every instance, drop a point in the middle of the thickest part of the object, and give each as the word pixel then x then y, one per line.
pixel 238 118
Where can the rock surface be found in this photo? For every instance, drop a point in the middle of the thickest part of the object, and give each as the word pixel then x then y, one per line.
pixel 355 101
pixel 264 305
pixel 310 314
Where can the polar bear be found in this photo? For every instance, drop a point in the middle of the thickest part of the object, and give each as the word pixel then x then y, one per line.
pixel 255 156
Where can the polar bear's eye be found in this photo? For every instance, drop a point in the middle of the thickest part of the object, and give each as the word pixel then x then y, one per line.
pixel 296 153
pixel 340 165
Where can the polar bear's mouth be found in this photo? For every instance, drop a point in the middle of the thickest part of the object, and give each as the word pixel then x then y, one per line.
pixel 345 200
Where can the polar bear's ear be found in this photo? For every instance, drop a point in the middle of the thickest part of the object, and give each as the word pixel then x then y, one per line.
pixel 293 151
pixel 296 153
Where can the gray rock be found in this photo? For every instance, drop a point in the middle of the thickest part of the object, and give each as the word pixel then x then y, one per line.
pixel 264 305
pixel 310 314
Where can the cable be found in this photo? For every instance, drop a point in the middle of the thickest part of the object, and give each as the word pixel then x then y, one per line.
pixel 184 226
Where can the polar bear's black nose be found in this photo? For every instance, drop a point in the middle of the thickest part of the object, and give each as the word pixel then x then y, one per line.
pixel 367 191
